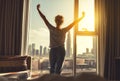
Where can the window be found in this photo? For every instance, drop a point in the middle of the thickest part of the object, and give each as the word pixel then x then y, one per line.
pixel 86 36
pixel 38 46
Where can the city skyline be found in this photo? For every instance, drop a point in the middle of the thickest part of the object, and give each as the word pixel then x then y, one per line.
pixel 38 32
pixel 82 42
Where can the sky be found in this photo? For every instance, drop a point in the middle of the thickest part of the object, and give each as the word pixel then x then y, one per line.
pixel 38 32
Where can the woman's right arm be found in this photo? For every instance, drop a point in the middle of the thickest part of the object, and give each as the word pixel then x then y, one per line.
pixel 43 17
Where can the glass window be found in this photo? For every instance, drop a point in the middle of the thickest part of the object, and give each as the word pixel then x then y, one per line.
pixel 86 54
pixel 87 24
pixel 86 36
pixel 38 46
pixel 86 39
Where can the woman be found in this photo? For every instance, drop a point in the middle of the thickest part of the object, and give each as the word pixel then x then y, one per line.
pixel 57 39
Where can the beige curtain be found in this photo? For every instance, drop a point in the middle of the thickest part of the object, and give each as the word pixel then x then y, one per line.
pixel 10 26
pixel 25 27
pixel 100 25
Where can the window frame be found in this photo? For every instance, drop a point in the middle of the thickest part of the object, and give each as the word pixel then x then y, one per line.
pixel 76 32
pixel 80 33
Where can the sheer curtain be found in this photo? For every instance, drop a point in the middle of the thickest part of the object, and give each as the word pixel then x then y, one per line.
pixel 10 26
pixel 25 27
pixel 100 25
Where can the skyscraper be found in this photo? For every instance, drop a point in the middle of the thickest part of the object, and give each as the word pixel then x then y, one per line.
pixel 30 49
pixel 33 49
pixel 37 52
pixel 44 51
pixel 68 45
pixel 41 50
pixel 94 50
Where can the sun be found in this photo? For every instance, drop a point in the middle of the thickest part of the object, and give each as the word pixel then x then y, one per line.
pixel 87 24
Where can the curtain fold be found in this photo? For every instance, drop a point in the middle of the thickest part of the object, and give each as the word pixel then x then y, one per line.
pixel 108 23
pixel 107 13
pixel 100 25
pixel 11 12
pixel 112 38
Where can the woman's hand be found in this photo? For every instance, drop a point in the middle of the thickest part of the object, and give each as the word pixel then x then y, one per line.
pixel 83 14
pixel 38 6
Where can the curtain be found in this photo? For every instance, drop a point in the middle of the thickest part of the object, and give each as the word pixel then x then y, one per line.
pixel 10 26
pixel 107 18
pixel 112 38
pixel 100 25
pixel 25 27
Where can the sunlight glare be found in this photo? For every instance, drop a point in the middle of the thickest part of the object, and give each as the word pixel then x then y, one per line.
pixel 87 24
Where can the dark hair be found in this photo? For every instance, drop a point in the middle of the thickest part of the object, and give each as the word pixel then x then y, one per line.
pixel 59 19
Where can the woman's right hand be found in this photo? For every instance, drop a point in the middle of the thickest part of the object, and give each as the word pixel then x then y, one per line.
pixel 38 6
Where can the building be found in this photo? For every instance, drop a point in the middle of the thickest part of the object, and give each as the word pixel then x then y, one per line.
pixel 41 50
pixel 68 45
pixel 33 49
pixel 30 49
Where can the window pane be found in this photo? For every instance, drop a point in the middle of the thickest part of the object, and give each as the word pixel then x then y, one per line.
pixel 38 45
pixel 86 54
pixel 87 24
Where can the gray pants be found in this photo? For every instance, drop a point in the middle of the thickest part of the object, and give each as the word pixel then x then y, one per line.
pixel 56 57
